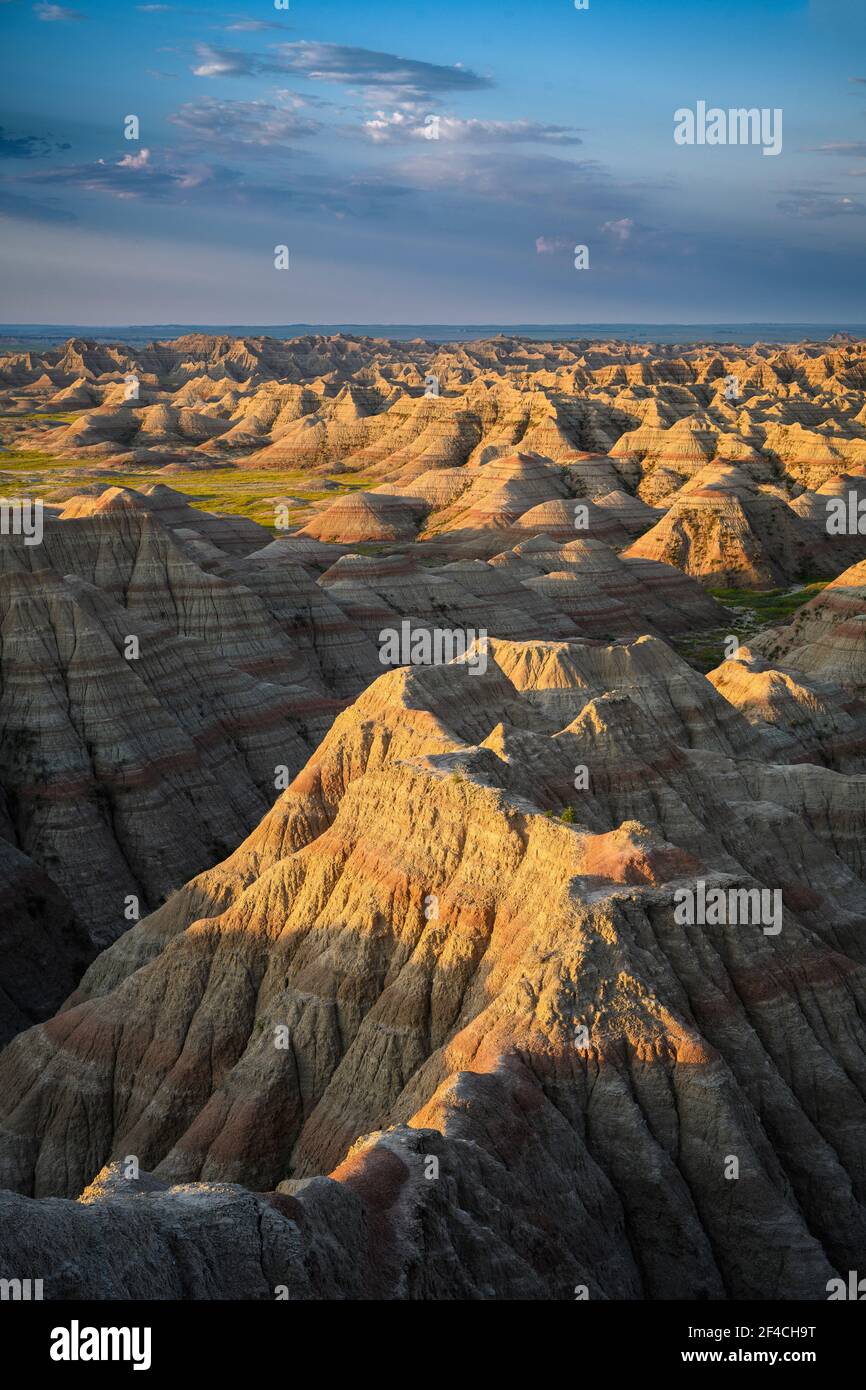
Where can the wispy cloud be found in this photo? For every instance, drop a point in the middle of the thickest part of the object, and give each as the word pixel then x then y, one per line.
pixel 412 78
pixel 27 146
pixel 57 14
pixel 167 177
pixel 817 205
pixel 254 26
pixel 134 176
pixel 494 176
pixel 243 122
pixel 399 126
pixel 844 147
pixel 230 62
pixel 392 78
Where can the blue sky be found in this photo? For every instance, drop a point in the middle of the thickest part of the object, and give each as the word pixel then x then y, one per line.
pixel 306 127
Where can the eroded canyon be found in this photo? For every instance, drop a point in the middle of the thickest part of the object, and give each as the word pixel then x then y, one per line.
pixel 358 980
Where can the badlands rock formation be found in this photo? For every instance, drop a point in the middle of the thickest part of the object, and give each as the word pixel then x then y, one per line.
pixel 395 410
pixel 407 940
pixel 156 682
pixel 828 636
pixel 733 452
pixel 144 706
pixel 808 678
pixel 421 1016
pixel 723 527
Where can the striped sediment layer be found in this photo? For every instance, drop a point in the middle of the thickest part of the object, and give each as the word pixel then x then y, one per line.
pixel 410 959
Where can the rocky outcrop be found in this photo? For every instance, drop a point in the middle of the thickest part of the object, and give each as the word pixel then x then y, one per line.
pixel 579 588
pixel 131 757
pixel 727 531
pixel 366 516
pixel 233 534
pixel 827 638
pixel 408 940
pixel 811 720
pixel 154 688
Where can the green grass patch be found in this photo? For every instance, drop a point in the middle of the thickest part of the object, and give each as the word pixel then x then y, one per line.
pixel 769 606
pixel 376 548
pixel 704 651
pixel 751 610
pixel 37 471
pixel 63 417
pixel 245 492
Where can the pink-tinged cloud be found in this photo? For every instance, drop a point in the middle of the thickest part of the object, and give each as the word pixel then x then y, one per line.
pixel 548 246
pixel 621 230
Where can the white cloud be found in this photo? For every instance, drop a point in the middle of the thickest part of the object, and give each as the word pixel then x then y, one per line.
pixel 383 76
pixel 244 122
pixel 400 126
pixel 621 230
pixel 56 14
pixel 548 246
pixel 135 161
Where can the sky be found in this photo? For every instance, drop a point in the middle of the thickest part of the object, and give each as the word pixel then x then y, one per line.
pixel 310 127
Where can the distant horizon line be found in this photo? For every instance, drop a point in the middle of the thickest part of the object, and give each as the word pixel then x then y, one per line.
pixel 597 323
